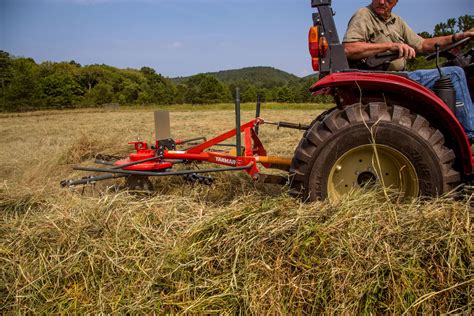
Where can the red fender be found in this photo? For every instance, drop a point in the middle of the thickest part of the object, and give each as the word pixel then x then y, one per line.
pixel 346 87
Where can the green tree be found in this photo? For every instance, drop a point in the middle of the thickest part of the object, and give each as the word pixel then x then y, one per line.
pixel 465 22
pixel 156 88
pixel 441 29
pixel 22 89
pixel 143 96
pixel 129 93
pixel 181 90
pixel 89 76
pixel 204 89
pixel 102 93
pixel 425 34
pixel 285 94
pixel 451 25
pixel 5 77
pixel 249 94
pixel 263 92
pixel 75 64
pixel 59 90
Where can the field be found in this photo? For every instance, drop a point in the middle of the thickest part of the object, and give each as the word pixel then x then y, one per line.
pixel 233 247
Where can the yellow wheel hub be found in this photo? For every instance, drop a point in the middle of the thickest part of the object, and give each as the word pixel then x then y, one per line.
pixel 369 165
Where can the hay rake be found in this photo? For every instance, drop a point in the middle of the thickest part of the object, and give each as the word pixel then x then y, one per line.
pixel 159 159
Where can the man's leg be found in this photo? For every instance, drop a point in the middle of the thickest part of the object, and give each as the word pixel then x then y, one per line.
pixel 465 114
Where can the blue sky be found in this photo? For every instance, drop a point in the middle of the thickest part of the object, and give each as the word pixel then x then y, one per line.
pixel 185 37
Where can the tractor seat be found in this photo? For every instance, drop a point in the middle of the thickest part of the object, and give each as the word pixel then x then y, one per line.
pixel 377 64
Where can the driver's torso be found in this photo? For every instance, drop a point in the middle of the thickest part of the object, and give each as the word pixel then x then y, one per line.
pixel 366 26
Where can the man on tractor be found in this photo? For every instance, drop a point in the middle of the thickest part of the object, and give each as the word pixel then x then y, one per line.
pixel 375 29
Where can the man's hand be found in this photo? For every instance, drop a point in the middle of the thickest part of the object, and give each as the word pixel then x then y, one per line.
pixel 404 51
pixel 444 41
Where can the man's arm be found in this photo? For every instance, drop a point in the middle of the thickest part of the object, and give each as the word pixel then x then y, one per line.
pixel 360 50
pixel 428 44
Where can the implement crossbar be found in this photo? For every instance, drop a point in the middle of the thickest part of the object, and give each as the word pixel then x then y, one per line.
pixel 162 174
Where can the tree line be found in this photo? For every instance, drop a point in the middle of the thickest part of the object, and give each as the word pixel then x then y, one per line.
pixel 26 85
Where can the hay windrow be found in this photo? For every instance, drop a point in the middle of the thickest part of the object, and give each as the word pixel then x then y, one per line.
pixel 233 247
pixel 125 253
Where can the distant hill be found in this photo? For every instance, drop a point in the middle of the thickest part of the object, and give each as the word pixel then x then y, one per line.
pixel 31 86
pixel 260 77
pixel 314 77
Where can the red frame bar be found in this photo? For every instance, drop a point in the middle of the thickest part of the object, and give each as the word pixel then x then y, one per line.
pixel 252 143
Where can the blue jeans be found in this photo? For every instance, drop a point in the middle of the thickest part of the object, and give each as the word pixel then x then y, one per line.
pixel 465 114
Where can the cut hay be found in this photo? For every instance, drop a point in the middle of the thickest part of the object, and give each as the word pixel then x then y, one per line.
pixel 235 247
pixel 123 253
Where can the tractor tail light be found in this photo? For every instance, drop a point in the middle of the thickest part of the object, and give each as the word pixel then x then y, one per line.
pixel 318 46
pixel 313 42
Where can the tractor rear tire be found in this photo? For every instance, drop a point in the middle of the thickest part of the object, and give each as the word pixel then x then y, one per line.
pixel 363 145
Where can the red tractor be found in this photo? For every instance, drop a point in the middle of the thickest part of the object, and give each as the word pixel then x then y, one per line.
pixel 385 128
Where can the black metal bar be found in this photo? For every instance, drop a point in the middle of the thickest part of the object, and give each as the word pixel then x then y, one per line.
pixel 317 3
pixel 437 59
pixel 289 125
pixel 223 145
pixel 238 141
pixel 335 60
pixel 257 111
pixel 161 174
pixel 103 162
pixel 91 179
pixel 192 140
pixel 215 145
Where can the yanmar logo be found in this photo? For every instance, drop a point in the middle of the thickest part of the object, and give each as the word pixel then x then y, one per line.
pixel 226 161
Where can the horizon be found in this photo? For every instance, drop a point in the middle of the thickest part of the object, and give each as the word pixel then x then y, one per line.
pixel 180 39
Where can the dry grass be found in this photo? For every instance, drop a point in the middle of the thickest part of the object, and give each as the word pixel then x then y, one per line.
pixel 233 247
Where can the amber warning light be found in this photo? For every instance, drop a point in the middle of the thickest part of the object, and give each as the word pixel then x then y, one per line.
pixel 317 46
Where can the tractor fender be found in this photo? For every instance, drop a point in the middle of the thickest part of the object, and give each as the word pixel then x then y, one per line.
pixel 352 87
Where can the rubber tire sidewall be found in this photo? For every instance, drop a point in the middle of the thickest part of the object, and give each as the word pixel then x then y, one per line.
pixel 417 150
